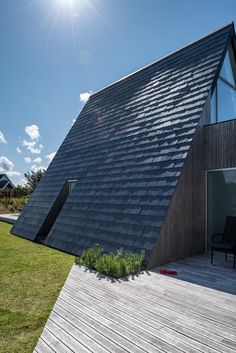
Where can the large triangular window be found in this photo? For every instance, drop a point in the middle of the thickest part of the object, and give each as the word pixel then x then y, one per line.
pixel 223 100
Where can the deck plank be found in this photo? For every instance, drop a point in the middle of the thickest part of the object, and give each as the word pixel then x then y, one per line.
pixel 173 303
pixel 192 312
pixel 176 321
pixel 53 342
pixel 160 307
pixel 152 327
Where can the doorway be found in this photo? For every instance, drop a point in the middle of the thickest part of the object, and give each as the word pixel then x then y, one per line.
pixel 221 200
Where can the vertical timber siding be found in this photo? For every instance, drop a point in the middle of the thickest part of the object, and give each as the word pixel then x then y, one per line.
pixel 220 145
pixel 183 231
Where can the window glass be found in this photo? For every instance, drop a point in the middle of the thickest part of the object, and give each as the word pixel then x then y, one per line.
pixel 226 71
pixel 226 101
pixel 221 199
pixel 213 108
pixel 71 184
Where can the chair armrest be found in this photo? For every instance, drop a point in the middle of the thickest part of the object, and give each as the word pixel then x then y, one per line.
pixel 216 235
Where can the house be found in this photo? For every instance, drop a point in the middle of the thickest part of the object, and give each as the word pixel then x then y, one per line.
pixel 5 182
pixel 150 163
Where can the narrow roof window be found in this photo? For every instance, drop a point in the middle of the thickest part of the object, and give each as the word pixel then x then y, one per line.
pixel 226 72
pixel 223 100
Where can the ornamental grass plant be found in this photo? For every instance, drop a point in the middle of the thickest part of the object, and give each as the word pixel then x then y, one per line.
pixel 116 265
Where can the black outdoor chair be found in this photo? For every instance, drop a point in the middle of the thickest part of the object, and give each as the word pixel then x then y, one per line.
pixel 225 242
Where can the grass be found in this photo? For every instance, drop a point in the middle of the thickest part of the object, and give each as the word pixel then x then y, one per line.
pixel 31 277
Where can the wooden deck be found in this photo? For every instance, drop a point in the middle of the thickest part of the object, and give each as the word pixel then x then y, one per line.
pixel 9 218
pixel 193 312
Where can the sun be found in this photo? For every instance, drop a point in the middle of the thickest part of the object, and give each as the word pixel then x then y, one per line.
pixel 68 3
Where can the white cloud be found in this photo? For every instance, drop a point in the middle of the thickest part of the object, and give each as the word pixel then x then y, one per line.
pixel 12 173
pixel 27 159
pixel 7 166
pixel 33 132
pixel 28 143
pixel 37 160
pixel 31 146
pixel 38 149
pixel 22 182
pixel 18 150
pixel 34 168
pixel 50 156
pixel 2 138
pixel 85 96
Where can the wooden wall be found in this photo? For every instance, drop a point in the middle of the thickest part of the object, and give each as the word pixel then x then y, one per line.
pixel 183 232
pixel 220 145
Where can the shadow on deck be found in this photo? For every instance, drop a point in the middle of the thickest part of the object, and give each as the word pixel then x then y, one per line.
pixel 198 270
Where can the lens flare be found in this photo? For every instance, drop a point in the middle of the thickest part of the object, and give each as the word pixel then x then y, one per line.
pixel 67 2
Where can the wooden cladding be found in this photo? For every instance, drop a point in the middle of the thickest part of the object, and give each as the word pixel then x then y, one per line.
pixel 220 145
pixel 183 232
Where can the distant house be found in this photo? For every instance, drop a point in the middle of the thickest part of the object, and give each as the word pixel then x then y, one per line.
pixel 5 182
pixel 150 163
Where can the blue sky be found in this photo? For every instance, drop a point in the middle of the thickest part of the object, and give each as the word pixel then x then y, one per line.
pixel 53 52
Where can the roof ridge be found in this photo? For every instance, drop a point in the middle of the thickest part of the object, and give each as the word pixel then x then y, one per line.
pixel 231 24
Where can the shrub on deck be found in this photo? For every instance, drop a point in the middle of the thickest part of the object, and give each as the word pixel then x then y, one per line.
pixel 111 264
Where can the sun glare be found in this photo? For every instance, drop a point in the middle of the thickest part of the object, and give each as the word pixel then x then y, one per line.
pixel 71 14
pixel 67 2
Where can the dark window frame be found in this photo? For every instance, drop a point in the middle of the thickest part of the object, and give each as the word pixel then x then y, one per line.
pixel 233 66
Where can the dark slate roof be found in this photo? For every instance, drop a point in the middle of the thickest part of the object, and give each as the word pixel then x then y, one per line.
pixel 3 183
pixel 127 149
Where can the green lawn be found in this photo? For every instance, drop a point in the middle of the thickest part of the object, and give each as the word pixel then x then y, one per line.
pixel 31 276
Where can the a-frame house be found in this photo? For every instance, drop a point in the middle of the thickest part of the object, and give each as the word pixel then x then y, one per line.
pixel 5 182
pixel 148 162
